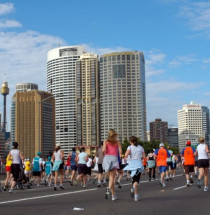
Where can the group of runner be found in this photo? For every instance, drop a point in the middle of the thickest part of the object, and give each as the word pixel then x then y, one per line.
pixel 110 164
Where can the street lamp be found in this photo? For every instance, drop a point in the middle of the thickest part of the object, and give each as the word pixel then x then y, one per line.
pixel 39 116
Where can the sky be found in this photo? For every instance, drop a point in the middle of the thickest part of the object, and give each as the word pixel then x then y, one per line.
pixel 173 34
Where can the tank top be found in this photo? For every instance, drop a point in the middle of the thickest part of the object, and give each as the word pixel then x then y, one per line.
pixel 8 162
pixel 202 152
pixel 162 157
pixel 28 166
pixel 36 165
pixel 189 158
pixel 111 149
pixel 15 156
pixel 73 156
pixel 58 155
pixel 81 157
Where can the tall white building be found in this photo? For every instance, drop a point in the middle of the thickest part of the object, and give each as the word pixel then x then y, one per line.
pixel 192 124
pixel 122 94
pixel 61 82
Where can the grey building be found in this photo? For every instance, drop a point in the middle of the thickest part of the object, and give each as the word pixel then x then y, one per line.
pixel 122 94
pixel 173 139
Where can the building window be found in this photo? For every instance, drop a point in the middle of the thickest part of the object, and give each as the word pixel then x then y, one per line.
pixel 118 71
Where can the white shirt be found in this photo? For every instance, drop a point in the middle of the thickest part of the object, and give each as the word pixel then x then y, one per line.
pixel 89 163
pixel 57 155
pixel 15 156
pixel 136 152
pixel 202 154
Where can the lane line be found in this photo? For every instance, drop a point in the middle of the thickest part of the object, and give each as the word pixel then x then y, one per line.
pixel 67 193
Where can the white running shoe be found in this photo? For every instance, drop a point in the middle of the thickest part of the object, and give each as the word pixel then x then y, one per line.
pixel 136 198
pixel 205 189
pixel 114 197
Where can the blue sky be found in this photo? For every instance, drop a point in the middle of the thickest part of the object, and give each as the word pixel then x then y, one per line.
pixel 173 34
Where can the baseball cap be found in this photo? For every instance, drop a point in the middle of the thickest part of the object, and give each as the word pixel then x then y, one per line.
pixel 39 153
pixel 161 145
pixel 57 144
pixel 188 143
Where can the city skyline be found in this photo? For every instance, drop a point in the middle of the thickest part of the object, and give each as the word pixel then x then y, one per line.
pixel 173 35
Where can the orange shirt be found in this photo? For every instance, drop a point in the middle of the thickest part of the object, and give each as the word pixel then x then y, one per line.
pixel 162 155
pixel 189 158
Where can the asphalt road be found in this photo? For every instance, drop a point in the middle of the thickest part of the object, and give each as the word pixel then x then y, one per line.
pixel 174 199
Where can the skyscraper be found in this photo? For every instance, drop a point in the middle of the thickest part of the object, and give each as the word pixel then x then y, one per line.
pixel 61 82
pixel 122 94
pixel 191 124
pixel 87 95
pixel 33 122
pixel 159 131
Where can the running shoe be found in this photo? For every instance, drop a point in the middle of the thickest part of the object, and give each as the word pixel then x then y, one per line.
pixel 5 188
pixel 114 197
pixel 132 192
pixel 55 188
pixel 107 193
pixel 61 186
pixel 167 178
pixel 136 198
pixel 99 184
pixel 191 180
pixel 188 183
pixel 205 189
pixel 199 184
pixel 84 186
pixel 119 185
pixel 149 179
pixel 163 184
pixel 11 191
pixel 71 182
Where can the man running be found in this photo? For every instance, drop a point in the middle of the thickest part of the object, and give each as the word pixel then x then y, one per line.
pixel 37 168
pixel 161 155
pixel 189 162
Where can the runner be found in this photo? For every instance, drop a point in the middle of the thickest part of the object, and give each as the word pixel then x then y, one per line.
pixel 111 147
pixel 203 163
pixel 151 165
pixel 58 160
pixel 189 162
pixel 48 171
pixel 169 165
pixel 100 157
pixel 27 170
pixel 16 156
pixel 8 173
pixel 82 159
pixel 135 165
pixel 162 154
pixel 174 164
pixel 72 157
pixel 37 168
pixel 89 167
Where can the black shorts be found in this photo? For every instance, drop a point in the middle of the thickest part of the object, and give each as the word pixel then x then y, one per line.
pixel 196 163
pixel 36 173
pixel 188 168
pixel 122 166
pixel 74 167
pixel 203 163
pixel 89 171
pixel 15 170
pixel 169 164
pixel 136 178
pixel 100 169
pixel 82 169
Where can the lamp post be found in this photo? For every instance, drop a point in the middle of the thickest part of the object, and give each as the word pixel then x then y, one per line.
pixel 39 116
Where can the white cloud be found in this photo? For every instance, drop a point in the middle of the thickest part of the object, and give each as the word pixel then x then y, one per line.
pixel 180 60
pixel 206 61
pixel 6 8
pixel 197 15
pixel 9 24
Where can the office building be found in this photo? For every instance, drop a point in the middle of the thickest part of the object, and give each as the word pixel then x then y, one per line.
pixel 26 87
pixel 173 140
pixel 61 82
pixel 159 131
pixel 87 96
pixel 191 124
pixel 122 95
pixel 33 122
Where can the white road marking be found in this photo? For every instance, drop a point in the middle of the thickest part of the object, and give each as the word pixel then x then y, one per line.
pixel 67 193
pixel 178 188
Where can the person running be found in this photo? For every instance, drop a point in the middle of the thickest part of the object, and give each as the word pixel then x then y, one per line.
pixel 89 167
pixel 27 170
pixel 37 168
pixel 189 162
pixel 169 165
pixel 58 165
pixel 151 165
pixel 110 149
pixel 72 157
pixel 161 155
pixel 135 165
pixel 100 156
pixel 82 159
pixel 8 172
pixel 174 164
pixel 203 163
pixel 48 171
pixel 16 156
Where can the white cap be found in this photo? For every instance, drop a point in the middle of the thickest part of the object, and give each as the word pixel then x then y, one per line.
pixel 161 145
pixel 57 144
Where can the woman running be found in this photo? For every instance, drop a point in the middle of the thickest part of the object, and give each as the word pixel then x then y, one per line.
pixel 135 165
pixel 110 149
pixel 16 156
pixel 58 160
pixel 203 163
